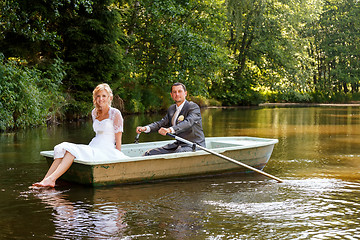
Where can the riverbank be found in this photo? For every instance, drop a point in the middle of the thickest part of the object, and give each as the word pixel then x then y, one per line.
pixel 350 104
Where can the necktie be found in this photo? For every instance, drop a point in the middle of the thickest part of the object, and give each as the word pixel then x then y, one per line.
pixel 173 120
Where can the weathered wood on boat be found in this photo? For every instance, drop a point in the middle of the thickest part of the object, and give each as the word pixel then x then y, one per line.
pixel 254 152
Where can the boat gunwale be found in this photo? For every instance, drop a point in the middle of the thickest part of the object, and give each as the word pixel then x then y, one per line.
pixel 258 142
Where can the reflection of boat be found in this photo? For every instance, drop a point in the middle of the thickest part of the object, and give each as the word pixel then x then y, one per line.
pixel 71 220
pixel 254 152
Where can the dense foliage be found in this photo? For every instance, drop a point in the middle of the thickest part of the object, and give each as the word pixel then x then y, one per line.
pixel 237 52
pixel 28 95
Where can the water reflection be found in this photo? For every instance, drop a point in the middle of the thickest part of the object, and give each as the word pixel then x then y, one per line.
pixel 74 220
pixel 167 210
pixel 221 208
pixel 317 154
pixel 135 211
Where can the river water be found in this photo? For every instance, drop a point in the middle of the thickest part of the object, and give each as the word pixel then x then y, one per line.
pixel 317 155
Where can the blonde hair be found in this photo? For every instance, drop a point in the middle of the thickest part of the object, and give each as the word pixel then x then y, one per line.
pixel 101 87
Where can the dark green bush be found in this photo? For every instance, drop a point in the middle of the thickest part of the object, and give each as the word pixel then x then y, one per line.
pixel 28 96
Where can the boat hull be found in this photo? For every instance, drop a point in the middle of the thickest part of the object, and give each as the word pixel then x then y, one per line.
pixel 254 152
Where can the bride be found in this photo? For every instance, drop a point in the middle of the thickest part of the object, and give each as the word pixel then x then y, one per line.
pixel 106 145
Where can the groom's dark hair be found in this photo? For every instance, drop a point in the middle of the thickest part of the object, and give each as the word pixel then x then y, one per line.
pixel 178 84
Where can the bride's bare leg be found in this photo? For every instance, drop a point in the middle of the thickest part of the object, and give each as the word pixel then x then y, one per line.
pixel 56 170
pixel 53 167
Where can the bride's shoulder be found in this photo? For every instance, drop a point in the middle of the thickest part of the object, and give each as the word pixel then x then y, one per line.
pixel 114 112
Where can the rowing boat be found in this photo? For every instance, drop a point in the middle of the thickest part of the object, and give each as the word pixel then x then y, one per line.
pixel 252 151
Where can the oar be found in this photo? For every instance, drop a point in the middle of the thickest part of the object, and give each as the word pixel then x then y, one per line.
pixel 224 157
pixel 137 138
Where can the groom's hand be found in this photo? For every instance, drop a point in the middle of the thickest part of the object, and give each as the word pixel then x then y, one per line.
pixel 140 129
pixel 164 131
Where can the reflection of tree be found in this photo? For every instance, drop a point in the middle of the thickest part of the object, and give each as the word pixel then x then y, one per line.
pixel 78 219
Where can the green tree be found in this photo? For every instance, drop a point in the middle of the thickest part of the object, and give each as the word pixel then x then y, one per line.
pixel 86 34
pixel 91 46
pixel 337 42
pixel 28 96
pixel 267 49
pixel 27 31
pixel 172 40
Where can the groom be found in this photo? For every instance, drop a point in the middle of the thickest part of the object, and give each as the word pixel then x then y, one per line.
pixel 182 119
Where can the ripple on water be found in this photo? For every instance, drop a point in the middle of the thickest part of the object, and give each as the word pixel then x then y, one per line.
pixel 314 208
pixel 299 209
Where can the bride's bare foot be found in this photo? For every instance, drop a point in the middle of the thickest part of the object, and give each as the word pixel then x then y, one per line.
pixel 47 182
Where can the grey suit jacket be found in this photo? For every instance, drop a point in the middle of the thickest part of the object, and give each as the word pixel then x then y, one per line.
pixel 190 128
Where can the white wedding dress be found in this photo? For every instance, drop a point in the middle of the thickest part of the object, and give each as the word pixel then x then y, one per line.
pixel 102 146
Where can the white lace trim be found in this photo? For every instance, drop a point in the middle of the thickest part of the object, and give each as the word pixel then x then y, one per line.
pixel 115 116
